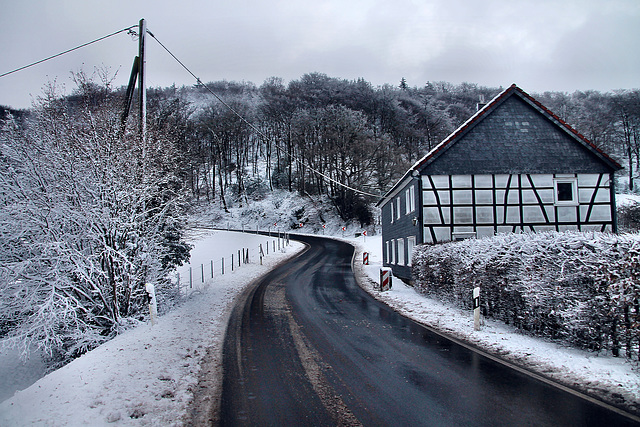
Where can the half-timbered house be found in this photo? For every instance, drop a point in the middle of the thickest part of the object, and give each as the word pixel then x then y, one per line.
pixel 513 167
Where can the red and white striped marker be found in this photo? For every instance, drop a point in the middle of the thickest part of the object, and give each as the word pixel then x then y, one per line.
pixel 385 279
pixel 365 258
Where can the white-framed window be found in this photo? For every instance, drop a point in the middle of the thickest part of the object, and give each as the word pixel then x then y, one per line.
pixel 401 252
pixel 386 252
pixel 565 191
pixel 411 243
pixel 392 213
pixel 410 195
pixel 392 252
pixel 398 208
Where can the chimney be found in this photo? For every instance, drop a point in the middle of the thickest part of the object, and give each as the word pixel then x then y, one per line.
pixel 481 103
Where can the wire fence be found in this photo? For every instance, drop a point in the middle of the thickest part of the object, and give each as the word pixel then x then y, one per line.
pixel 194 277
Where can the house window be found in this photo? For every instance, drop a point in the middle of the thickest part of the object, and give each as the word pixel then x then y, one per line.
pixel 411 242
pixel 398 208
pixel 386 252
pixel 393 249
pixel 392 214
pixel 566 191
pixel 410 200
pixel 401 252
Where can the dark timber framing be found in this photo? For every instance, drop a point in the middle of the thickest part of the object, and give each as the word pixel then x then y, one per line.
pixel 513 167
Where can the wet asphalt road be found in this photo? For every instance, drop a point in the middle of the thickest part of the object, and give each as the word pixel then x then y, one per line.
pixel 309 347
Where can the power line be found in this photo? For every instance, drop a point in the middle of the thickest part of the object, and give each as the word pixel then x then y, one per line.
pixel 258 131
pixel 67 51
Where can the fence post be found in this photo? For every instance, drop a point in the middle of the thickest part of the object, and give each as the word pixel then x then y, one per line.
pixel 190 277
pixel 212 269
pixel 222 265
pixel 202 272
pixel 232 262
pixel 267 247
pixel 239 260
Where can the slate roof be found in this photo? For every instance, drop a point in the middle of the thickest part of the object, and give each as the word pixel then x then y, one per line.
pixel 513 133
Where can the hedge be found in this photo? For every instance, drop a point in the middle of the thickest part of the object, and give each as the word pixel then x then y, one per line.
pixel 576 287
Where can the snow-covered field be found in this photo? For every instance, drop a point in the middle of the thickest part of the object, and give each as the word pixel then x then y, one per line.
pixel 146 376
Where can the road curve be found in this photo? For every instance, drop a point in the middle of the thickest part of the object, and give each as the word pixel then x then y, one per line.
pixel 307 346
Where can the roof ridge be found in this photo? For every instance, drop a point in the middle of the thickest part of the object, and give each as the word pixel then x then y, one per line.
pixel 568 127
pixel 464 126
pixel 494 103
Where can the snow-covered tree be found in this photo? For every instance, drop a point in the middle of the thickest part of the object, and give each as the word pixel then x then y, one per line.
pixel 89 215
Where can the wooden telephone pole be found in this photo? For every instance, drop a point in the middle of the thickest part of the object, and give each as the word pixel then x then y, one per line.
pixel 138 72
pixel 142 89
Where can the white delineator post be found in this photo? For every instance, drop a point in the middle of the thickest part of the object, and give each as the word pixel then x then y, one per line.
pixel 153 303
pixel 476 308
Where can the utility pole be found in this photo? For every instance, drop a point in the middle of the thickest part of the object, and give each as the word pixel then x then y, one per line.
pixel 142 90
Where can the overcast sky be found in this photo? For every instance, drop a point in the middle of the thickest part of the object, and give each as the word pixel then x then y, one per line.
pixel 561 45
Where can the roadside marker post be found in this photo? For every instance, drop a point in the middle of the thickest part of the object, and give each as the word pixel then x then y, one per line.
pixel 476 308
pixel 365 258
pixel 385 279
pixel 153 302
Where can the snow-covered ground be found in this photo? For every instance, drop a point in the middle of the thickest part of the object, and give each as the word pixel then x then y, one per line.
pixel 147 375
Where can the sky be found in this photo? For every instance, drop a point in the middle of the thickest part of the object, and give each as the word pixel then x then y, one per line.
pixel 541 45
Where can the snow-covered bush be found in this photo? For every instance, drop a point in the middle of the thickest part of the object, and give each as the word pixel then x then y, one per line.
pixel 629 217
pixel 581 288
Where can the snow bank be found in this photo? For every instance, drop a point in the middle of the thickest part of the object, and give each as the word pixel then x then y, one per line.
pixel 146 376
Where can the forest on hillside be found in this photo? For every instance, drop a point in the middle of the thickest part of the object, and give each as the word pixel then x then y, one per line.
pixel 312 132
pixel 91 211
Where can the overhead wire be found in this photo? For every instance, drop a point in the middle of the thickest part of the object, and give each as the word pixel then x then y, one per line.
pixel 258 131
pixel 199 82
pixel 67 51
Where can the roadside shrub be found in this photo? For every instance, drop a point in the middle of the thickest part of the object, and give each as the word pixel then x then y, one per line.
pixel 629 217
pixel 577 287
